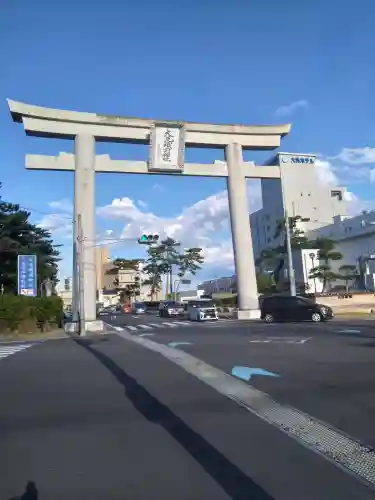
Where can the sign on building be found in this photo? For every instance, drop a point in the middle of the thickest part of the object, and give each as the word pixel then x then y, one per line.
pixel 292 158
pixel 27 275
pixel 167 148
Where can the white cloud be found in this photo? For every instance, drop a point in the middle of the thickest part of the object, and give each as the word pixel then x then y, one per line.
pixel 324 170
pixel 201 224
pixel 142 204
pixel 158 187
pixel 356 156
pixel 292 107
pixel 63 205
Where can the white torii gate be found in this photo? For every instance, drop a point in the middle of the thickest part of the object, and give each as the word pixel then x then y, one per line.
pixel 167 140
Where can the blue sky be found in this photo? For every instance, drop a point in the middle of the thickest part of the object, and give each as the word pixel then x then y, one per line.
pixel 308 63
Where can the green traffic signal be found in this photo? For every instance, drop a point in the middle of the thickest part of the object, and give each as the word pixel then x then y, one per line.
pixel 148 238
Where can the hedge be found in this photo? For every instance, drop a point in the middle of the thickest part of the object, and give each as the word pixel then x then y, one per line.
pixel 30 314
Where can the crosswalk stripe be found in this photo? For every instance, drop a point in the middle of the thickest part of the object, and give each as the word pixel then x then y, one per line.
pixel 156 325
pixel 171 325
pixel 145 327
pixel 9 350
pixel 182 323
pixel 133 328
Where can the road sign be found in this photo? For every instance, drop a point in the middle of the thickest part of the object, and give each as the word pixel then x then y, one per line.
pixel 27 275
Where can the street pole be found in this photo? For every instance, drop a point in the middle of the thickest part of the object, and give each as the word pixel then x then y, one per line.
pixel 292 278
pixel 81 285
pixel 291 275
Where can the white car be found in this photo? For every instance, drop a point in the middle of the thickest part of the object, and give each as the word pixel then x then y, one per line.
pixel 201 310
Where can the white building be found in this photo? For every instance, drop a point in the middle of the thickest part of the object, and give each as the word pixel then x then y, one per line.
pixel 324 209
pixel 303 195
pixel 354 237
pixel 218 285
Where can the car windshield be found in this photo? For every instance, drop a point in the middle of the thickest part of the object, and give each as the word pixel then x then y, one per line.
pixel 139 304
pixel 172 304
pixel 206 303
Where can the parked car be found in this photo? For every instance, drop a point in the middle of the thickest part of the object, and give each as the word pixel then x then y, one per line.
pixel 139 308
pixel 289 308
pixel 171 308
pixel 201 310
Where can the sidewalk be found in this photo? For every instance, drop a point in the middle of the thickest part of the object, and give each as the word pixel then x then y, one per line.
pixel 13 337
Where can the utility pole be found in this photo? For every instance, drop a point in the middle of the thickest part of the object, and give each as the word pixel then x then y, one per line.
pixel 291 275
pixel 81 284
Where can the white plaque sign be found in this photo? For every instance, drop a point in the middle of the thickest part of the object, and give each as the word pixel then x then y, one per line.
pixel 167 145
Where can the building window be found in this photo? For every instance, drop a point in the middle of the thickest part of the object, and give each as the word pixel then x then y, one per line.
pixel 268 228
pixel 336 194
pixel 268 240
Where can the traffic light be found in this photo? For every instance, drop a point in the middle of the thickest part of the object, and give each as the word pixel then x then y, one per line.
pixel 148 239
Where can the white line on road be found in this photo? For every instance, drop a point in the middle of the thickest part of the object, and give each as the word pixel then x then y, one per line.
pixel 156 325
pixel 133 328
pixel 145 327
pixel 118 328
pixel 6 351
pixel 171 325
pixel 280 340
pixel 330 443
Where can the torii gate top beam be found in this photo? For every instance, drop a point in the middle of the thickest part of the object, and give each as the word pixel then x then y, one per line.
pixel 48 122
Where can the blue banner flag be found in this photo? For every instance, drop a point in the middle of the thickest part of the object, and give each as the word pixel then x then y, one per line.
pixel 27 275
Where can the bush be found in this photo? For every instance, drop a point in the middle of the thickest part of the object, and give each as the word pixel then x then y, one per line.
pixel 18 312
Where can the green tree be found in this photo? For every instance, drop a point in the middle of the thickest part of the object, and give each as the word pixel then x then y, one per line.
pixel 190 261
pixel 162 259
pixel 265 283
pixel 273 258
pixel 348 274
pixel 326 255
pixel 18 236
pixel 154 270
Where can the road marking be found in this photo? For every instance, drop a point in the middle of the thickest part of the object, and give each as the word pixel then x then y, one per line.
pixel 6 351
pixel 182 323
pixel 145 327
pixel 245 373
pixel 348 331
pixel 156 325
pixel 132 328
pixel 176 344
pixel 146 334
pixel 171 325
pixel 279 340
pixel 341 450
pixel 118 328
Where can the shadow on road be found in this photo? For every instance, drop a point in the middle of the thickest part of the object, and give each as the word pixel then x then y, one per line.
pixel 31 492
pixel 233 481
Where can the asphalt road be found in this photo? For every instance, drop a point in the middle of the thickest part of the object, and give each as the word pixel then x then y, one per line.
pixel 107 418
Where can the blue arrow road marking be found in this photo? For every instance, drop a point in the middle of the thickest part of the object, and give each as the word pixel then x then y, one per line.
pixel 245 373
pixel 349 331
pixel 176 344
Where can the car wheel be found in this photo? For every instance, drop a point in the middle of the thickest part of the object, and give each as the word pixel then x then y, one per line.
pixel 316 317
pixel 268 318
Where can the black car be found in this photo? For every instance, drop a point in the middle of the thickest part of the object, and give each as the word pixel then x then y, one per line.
pixel 288 308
